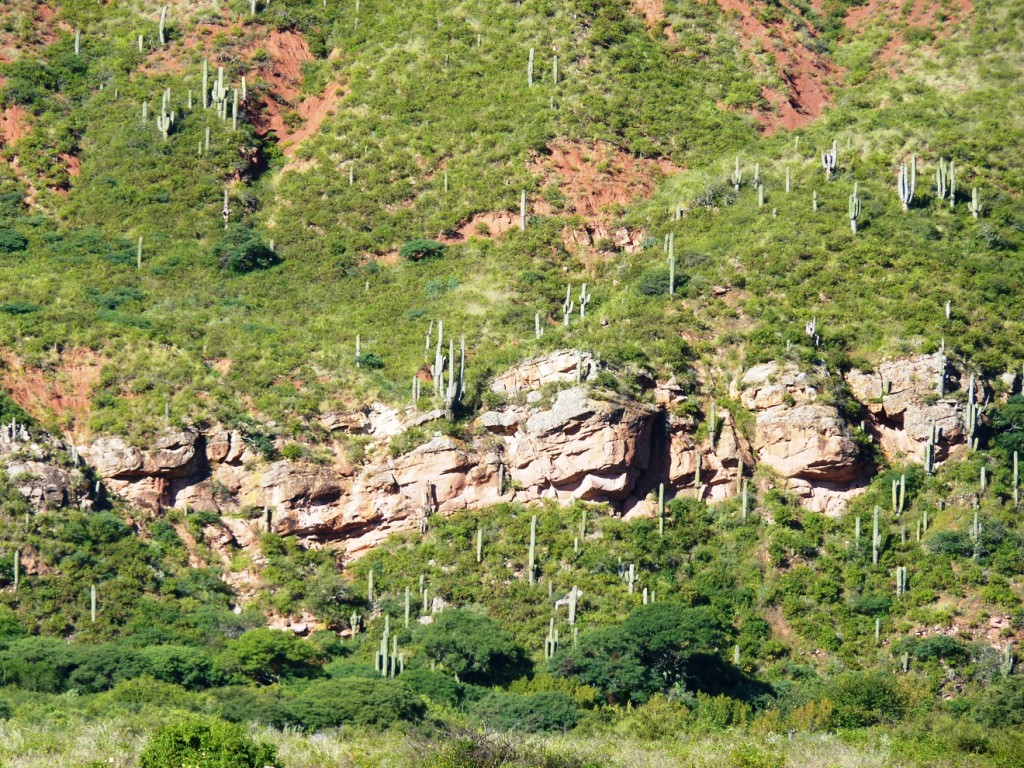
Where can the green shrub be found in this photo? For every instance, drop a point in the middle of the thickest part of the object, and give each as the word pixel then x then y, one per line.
pixel 866 698
pixel 537 713
pixel 1001 705
pixel 12 241
pixel 268 656
pixel 416 250
pixel 437 687
pixel 474 647
pixel 654 281
pixel 205 743
pixel 242 250
pixel 355 701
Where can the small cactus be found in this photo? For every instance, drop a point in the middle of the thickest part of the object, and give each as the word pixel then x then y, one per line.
pixel 829 160
pixel 975 205
pixel 854 211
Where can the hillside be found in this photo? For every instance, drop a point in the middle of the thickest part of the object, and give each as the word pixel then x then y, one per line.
pixel 310 308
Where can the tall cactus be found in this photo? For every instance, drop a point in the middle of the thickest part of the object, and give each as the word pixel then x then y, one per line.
pixel 829 160
pixel 162 32
pixel 670 240
pixel 585 298
pixel 532 561
pixel 876 537
pixel 952 185
pixel 906 182
pixel 737 175
pixel 854 211
pixel 942 179
pixel 164 122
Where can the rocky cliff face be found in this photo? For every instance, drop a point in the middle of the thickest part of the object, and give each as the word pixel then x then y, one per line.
pixel 580 443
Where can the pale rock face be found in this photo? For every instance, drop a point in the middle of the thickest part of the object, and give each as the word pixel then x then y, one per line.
pixel 810 442
pixel 44 485
pixel 581 448
pixel 768 385
pixel 557 367
pixel 172 455
pixel 902 399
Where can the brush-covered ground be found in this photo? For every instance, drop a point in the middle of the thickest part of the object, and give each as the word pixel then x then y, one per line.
pixel 416 99
pixel 375 132
pixel 707 639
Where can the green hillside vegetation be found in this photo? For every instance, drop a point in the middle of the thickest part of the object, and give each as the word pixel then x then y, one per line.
pixel 748 635
pixel 881 291
pixel 731 628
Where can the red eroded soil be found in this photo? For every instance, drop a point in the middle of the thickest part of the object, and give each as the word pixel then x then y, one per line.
pixel 653 12
pixel 62 388
pixel 13 124
pixel 486 225
pixel 804 73
pixel 279 70
pixel 597 178
pixel 922 15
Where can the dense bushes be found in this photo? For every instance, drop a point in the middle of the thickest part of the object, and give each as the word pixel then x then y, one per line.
pixel 207 743
pixel 657 647
pixel 355 701
pixel 473 646
pixel 418 249
pixel 537 713
pixel 240 250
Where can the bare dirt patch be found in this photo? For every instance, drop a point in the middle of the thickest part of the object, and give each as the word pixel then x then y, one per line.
pixel 653 13
pixel 14 125
pixel 274 60
pixel 923 14
pixel 804 73
pixel 62 388
pixel 596 179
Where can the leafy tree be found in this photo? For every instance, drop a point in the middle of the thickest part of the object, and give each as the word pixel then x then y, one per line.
pixel 655 281
pixel 205 742
pixel 474 647
pixel 1001 705
pixel 435 686
pixel 355 701
pixel 268 656
pixel 241 250
pixel 656 647
pixel 189 667
pixel 12 241
pixel 416 250
pixel 1007 424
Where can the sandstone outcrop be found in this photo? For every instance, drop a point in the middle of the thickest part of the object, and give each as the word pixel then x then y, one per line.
pixel 905 397
pixel 563 366
pixel 581 442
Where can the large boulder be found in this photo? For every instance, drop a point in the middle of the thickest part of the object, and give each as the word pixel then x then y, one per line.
pixel 44 485
pixel 810 442
pixel 172 454
pixel 582 448
pixel 904 398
